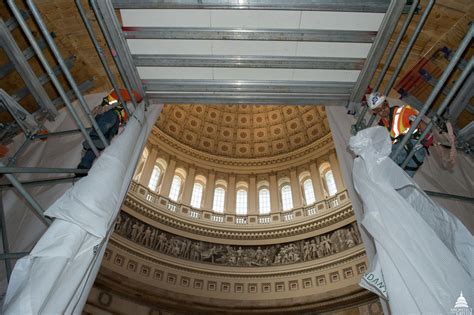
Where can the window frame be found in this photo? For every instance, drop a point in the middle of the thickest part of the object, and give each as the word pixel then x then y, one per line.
pixel 286 203
pixel 241 202
pixel 221 200
pixel 158 178
pixel 193 196
pixel 266 212
pixel 173 189
pixel 310 189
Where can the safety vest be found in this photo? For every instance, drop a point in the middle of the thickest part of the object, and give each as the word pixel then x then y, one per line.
pixel 122 115
pixel 401 120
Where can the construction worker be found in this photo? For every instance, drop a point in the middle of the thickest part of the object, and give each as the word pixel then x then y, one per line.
pixel 110 115
pixel 398 120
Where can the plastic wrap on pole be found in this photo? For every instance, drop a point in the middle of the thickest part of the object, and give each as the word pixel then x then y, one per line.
pixel 101 187
pixel 424 252
pixel 58 272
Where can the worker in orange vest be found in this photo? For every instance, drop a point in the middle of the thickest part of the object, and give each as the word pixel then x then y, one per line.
pixel 110 115
pixel 398 120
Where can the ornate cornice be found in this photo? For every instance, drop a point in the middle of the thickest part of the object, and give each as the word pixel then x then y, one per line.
pixel 112 282
pixel 334 261
pixel 171 146
pixel 273 232
pixel 313 248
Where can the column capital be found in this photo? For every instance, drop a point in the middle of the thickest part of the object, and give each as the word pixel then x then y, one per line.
pixel 273 173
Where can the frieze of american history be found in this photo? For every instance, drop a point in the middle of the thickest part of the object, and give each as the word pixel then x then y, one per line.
pixel 233 255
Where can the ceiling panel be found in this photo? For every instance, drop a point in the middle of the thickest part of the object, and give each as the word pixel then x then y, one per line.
pixel 255 19
pixel 341 20
pixel 151 17
pixel 251 20
pixel 174 73
pixel 169 46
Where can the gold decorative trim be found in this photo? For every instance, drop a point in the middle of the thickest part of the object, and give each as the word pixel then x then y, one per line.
pixel 162 138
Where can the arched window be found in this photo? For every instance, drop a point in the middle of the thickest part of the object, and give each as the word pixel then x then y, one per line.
pixel 327 177
pixel 330 183
pixel 141 165
pixel 219 198
pixel 286 198
pixel 241 202
pixel 155 177
pixel 264 201
pixel 308 191
pixel 175 188
pixel 197 195
pixel 157 174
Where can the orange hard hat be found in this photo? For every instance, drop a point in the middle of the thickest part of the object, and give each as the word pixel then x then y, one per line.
pixel 126 97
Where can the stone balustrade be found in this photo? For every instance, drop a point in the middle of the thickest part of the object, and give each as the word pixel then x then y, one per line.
pixel 325 206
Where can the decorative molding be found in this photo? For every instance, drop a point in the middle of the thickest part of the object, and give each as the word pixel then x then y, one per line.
pixel 158 213
pixel 243 131
pixel 257 165
pixel 125 249
pixel 183 248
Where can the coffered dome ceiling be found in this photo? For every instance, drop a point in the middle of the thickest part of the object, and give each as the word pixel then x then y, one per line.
pixel 244 131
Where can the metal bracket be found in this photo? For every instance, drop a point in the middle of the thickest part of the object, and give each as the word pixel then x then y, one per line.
pixel 23 118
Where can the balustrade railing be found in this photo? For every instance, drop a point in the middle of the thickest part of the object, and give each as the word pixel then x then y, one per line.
pixel 266 219
pixel 241 220
pixel 219 218
pixel 332 202
pixel 320 207
pixel 288 216
pixel 195 214
pixel 311 211
pixel 173 207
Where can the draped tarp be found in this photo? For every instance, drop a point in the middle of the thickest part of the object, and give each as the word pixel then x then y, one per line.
pixel 431 176
pixel 424 252
pixel 57 275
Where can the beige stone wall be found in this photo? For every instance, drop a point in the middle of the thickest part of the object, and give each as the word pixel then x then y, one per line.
pixel 62 18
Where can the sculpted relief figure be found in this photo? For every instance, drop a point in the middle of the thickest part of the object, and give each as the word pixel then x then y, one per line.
pixel 146 237
pixel 195 251
pixel 326 245
pixel 355 233
pixel 152 239
pixel 161 244
pixel 140 233
pixel 118 222
pixel 349 239
pixel 305 250
pixel 135 228
pixel 259 256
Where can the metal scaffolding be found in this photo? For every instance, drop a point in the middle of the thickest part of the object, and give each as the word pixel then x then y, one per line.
pixel 31 124
pixel 175 91
pixel 455 101
pixel 206 91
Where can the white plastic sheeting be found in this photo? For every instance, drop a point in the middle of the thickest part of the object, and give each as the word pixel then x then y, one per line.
pixel 424 252
pixel 424 262
pixel 57 275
